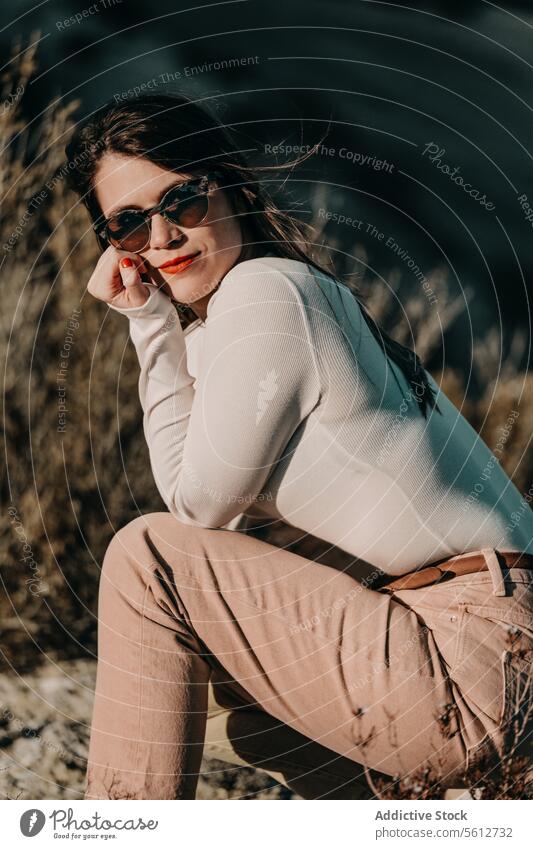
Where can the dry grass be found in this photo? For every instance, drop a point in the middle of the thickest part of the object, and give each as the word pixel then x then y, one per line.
pixel 71 489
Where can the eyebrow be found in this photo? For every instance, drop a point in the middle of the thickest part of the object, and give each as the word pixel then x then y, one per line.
pixel 142 208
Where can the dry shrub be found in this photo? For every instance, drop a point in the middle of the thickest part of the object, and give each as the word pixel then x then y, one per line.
pixel 67 491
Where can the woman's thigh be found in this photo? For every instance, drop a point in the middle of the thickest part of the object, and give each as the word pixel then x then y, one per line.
pixel 351 668
pixel 244 736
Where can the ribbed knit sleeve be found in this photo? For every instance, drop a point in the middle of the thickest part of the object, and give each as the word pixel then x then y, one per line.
pixel 213 448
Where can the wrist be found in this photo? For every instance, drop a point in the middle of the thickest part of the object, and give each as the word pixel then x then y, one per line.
pixel 157 303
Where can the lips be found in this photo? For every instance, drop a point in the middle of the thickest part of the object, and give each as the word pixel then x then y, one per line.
pixel 178 263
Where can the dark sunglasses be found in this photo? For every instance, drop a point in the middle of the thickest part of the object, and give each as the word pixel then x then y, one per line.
pixel 186 205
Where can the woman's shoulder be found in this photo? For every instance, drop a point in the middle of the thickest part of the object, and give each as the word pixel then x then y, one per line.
pixel 259 283
pixel 265 280
pixel 269 262
pixel 274 274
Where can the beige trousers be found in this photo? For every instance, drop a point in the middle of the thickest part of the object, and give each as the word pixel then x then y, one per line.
pixel 326 683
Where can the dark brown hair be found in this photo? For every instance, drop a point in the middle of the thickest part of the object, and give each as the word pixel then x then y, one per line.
pixel 181 135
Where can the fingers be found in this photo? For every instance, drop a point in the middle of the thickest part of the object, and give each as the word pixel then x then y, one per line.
pixel 136 292
pixel 117 280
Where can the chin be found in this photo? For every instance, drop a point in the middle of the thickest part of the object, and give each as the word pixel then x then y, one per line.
pixel 190 292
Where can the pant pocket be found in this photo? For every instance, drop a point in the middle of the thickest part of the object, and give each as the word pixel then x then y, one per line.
pixel 501 764
pixel 484 636
pixel 493 662
pixel 516 721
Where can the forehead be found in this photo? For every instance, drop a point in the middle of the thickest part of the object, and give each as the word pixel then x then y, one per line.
pixel 122 181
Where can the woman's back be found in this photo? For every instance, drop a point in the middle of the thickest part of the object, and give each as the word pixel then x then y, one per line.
pixel 365 470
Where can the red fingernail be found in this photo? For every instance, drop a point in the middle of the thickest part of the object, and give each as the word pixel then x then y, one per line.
pixel 126 262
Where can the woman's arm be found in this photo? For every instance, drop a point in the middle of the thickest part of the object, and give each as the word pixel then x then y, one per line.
pixel 212 449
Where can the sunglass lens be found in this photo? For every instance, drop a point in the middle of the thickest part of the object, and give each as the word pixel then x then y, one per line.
pixel 187 207
pixel 129 232
pixel 193 211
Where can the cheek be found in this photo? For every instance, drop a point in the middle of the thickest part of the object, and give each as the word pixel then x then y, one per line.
pixel 225 231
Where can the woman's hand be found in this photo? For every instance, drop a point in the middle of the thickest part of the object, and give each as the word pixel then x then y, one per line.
pixel 117 280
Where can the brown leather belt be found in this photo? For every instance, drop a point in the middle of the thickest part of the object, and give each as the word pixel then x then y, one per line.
pixel 461 564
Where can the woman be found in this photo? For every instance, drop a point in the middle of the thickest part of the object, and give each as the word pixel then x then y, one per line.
pixel 275 398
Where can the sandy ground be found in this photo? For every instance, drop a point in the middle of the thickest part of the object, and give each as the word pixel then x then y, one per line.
pixel 44 736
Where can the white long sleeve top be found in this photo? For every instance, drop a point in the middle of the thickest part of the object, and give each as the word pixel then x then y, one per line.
pixel 282 405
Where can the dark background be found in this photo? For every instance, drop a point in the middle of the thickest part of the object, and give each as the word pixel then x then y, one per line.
pixel 387 78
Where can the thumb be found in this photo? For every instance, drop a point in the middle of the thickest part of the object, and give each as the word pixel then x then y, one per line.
pixel 136 292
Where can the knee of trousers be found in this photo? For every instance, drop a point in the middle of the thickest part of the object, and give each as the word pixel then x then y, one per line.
pixel 138 582
pixel 133 548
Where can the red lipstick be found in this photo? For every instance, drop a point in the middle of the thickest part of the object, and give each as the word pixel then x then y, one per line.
pixel 178 263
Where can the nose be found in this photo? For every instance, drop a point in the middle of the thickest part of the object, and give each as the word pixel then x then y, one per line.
pixel 163 232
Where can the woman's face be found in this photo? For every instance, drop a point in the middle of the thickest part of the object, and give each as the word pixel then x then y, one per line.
pixel 128 182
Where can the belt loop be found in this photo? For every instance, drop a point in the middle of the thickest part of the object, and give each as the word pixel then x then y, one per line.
pixel 496 573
